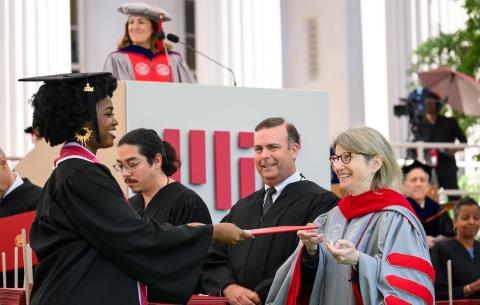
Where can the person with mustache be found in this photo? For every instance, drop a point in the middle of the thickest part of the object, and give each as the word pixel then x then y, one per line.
pixel 147 163
pixel 244 273
pixel 92 247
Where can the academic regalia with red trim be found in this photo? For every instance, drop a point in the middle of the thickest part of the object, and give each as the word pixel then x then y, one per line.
pixel 394 263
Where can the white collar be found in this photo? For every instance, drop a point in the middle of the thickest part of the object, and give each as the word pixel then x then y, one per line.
pixel 281 186
pixel 18 181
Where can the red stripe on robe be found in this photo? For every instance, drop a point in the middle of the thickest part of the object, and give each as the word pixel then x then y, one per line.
pixel 412 262
pixel 393 300
pixel 410 287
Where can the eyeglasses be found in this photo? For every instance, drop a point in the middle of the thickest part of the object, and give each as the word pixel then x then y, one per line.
pixel 346 157
pixel 119 167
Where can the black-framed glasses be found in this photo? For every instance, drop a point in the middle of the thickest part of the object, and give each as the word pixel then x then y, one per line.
pixel 345 157
pixel 119 167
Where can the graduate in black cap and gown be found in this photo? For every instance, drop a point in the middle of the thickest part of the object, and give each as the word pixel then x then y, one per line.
pixel 434 217
pixel 92 246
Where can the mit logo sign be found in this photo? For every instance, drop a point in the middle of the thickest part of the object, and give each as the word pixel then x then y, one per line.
pixel 222 167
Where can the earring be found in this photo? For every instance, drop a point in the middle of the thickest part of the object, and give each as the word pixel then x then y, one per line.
pixel 83 135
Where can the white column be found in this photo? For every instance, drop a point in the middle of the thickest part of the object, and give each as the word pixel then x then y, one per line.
pixel 34 40
pixel 243 35
pixel 375 65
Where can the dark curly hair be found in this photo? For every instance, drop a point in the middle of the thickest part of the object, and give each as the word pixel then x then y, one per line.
pixel 149 144
pixel 61 109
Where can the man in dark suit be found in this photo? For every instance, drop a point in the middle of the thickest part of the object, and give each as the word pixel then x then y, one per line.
pixel 243 273
pixel 17 195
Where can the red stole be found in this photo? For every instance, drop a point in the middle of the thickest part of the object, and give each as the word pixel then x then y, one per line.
pixel 73 150
pixel 156 69
pixel 371 201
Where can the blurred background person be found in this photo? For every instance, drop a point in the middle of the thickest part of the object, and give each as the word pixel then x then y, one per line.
pixel 363 250
pixel 438 128
pixel 17 194
pixel 142 53
pixel 435 219
pixel 463 251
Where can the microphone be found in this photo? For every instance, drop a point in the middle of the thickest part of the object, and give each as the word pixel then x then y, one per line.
pixel 174 38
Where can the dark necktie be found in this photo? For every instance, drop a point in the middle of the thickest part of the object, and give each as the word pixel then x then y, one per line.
pixel 268 200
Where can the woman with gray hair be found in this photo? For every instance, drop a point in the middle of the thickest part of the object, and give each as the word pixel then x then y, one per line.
pixel 371 249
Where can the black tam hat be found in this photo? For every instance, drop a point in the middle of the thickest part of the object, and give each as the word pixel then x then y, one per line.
pixel 83 82
pixel 417 164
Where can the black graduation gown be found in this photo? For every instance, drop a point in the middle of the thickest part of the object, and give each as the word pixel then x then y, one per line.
pixel 253 263
pixel 465 270
pixel 93 247
pixel 22 199
pixel 440 225
pixel 175 204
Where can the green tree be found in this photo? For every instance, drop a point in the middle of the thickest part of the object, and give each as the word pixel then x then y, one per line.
pixel 459 50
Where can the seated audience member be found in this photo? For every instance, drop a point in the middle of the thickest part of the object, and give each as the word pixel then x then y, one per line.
pixel 435 219
pixel 369 249
pixel 146 163
pixel 17 195
pixel 244 273
pixel 463 251
pixel 142 54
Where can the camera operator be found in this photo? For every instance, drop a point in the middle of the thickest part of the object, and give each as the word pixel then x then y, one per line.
pixel 438 128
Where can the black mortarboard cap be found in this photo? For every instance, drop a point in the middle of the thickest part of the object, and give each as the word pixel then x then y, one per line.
pixel 77 79
pixel 417 164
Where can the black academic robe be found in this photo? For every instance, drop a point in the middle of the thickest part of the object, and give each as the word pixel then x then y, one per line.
pixel 175 204
pixel 22 199
pixel 253 263
pixel 465 270
pixel 440 225
pixel 93 247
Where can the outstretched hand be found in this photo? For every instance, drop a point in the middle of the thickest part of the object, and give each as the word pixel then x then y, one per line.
pixel 228 233
pixel 344 252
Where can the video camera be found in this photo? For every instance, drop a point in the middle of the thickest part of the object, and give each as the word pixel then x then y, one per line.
pixel 414 108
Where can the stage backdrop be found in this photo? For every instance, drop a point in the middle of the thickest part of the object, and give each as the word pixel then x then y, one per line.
pixel 213 129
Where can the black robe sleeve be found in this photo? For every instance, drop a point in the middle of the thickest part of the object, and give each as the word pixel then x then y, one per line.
pixel 89 207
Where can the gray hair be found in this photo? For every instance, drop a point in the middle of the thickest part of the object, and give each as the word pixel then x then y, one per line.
pixel 370 143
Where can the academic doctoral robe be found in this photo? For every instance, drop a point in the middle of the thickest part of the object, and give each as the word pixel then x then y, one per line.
pixel 465 269
pixel 175 204
pixel 120 65
pixel 22 199
pixel 394 263
pixel 93 247
pixel 440 225
pixel 253 263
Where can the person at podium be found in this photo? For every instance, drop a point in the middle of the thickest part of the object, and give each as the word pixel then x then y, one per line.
pixel 92 247
pixel 142 53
